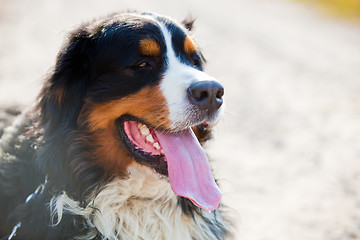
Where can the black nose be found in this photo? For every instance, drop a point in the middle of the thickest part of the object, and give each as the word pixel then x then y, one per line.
pixel 206 95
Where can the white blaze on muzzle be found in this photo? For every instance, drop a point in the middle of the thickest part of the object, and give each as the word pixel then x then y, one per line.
pixel 188 167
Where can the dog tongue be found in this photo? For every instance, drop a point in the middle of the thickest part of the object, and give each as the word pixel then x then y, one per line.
pixel 189 170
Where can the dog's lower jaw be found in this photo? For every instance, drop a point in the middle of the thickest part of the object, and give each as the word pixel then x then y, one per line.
pixel 143 206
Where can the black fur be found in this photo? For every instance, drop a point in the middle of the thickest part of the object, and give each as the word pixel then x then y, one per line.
pixel 51 141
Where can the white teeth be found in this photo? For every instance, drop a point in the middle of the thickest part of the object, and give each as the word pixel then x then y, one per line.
pixel 156 145
pixel 150 138
pixel 144 130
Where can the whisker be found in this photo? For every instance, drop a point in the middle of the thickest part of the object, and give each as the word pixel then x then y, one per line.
pixel 161 123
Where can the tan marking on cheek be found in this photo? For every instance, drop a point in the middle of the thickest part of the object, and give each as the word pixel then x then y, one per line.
pixel 149 47
pixel 148 104
pixel 109 151
pixel 189 46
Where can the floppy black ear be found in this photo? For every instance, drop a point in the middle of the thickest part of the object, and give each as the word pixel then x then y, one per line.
pixel 61 101
pixel 188 22
pixel 60 98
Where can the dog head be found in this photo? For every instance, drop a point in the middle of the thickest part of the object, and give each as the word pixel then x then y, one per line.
pixel 127 90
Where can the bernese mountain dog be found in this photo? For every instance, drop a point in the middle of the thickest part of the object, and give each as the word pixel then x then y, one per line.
pixel 113 147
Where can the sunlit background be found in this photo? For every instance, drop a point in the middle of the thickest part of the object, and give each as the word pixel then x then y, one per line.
pixel 347 9
pixel 287 152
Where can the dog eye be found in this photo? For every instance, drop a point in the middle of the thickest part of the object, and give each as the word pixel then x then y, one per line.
pixel 144 64
pixel 196 61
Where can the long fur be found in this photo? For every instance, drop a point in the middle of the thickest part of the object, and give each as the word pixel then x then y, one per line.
pixel 54 143
pixel 145 208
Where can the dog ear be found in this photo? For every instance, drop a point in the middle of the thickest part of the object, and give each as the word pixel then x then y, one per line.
pixel 61 100
pixel 63 90
pixel 188 22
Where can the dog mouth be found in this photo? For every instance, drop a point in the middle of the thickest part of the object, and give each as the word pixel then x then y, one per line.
pixel 176 155
pixel 142 142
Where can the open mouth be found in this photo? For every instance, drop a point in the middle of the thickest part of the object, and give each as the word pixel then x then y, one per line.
pixel 142 142
pixel 177 155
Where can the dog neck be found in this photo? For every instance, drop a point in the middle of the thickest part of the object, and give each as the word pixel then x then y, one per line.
pixel 143 206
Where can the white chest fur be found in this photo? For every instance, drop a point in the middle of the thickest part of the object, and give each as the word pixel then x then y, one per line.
pixel 142 206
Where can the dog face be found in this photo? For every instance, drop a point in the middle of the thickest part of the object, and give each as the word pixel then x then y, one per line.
pixel 129 90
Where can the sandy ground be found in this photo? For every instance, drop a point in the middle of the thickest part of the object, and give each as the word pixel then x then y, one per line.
pixel 288 149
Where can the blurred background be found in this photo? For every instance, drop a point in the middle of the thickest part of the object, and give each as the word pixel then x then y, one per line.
pixel 288 148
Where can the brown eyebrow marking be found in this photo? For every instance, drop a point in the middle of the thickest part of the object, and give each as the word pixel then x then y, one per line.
pixel 149 47
pixel 189 46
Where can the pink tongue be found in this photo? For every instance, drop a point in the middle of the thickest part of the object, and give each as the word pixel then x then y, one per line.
pixel 188 167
